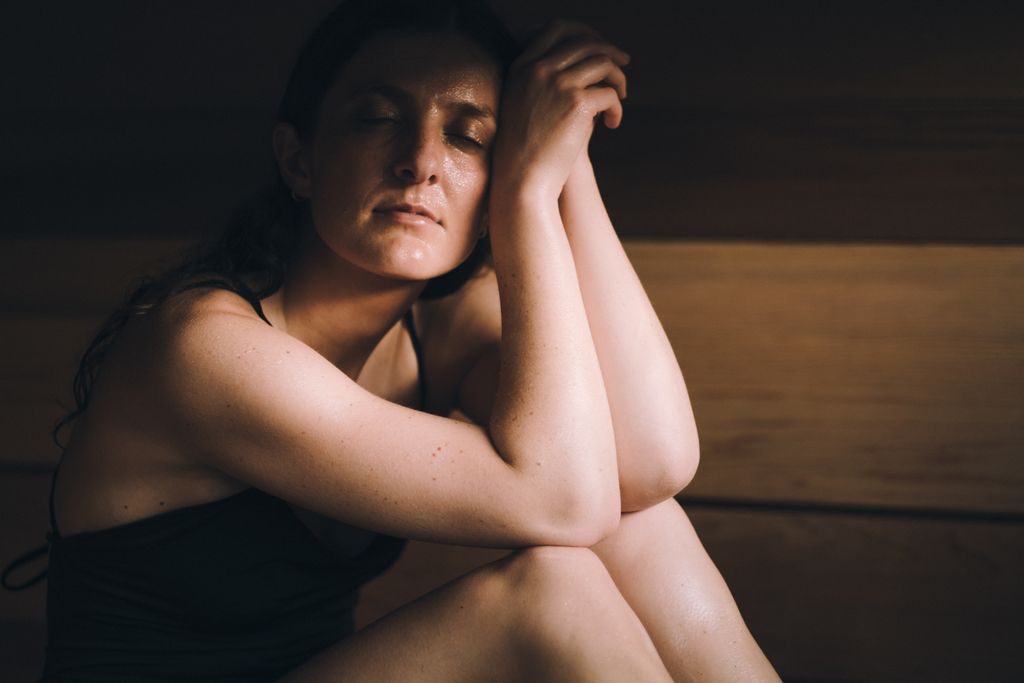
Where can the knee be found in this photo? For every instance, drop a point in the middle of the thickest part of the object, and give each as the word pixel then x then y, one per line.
pixel 561 590
pixel 547 571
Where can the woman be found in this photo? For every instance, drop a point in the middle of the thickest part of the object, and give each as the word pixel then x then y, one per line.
pixel 298 372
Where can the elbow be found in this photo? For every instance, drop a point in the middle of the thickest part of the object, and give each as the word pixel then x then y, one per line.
pixel 592 524
pixel 657 477
pixel 581 519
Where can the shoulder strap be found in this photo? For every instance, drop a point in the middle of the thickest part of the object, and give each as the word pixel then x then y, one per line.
pixel 417 347
pixel 231 286
pixel 35 553
pixel 17 562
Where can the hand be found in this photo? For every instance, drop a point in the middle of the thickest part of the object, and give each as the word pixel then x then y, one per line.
pixel 566 76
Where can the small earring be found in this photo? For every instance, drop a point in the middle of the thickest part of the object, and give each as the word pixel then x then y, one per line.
pixel 296 198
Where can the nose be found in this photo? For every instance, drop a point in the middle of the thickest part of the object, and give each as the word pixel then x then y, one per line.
pixel 420 158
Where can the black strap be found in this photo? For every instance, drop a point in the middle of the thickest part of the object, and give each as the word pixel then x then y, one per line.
pixel 24 559
pixel 35 553
pixel 232 286
pixel 417 347
pixel 54 531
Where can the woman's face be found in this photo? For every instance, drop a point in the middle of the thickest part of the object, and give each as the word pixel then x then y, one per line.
pixel 398 163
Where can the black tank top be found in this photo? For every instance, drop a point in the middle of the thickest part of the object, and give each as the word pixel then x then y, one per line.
pixel 237 589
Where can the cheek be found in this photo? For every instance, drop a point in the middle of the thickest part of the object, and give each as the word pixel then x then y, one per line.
pixel 468 182
pixel 339 194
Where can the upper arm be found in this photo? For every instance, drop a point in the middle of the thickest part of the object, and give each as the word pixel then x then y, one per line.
pixel 266 409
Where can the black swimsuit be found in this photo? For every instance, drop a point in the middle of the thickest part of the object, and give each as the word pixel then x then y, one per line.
pixel 236 589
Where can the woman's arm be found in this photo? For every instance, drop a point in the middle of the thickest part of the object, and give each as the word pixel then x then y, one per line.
pixel 264 408
pixel 655 432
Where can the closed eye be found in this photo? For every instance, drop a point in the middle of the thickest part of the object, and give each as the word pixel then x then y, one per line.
pixel 467 139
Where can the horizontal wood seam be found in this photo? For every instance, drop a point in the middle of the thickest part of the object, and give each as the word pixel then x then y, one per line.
pixel 919 514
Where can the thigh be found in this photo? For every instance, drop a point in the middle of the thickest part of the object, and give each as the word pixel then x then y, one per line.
pixel 455 633
pixel 541 613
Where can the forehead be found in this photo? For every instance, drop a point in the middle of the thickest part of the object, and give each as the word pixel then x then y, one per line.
pixel 429 65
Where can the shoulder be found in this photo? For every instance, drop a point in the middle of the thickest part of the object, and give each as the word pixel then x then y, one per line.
pixel 215 336
pixel 132 444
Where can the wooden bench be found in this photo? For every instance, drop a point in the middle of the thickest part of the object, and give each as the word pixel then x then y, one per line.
pixel 859 409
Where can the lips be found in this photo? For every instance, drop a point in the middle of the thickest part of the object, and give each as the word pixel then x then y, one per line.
pixel 415 209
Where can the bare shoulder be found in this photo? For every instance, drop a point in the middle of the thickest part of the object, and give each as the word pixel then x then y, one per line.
pixel 209 346
pixel 126 457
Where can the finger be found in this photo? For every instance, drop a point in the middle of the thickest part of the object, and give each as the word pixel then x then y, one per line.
pixel 606 103
pixel 594 71
pixel 555 32
pixel 569 52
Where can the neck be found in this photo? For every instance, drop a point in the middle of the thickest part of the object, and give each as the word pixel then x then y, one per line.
pixel 336 308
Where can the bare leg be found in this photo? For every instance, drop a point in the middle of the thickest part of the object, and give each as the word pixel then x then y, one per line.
pixel 668 579
pixel 541 614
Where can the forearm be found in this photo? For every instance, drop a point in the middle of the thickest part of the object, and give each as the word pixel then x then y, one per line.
pixel 551 418
pixel 655 433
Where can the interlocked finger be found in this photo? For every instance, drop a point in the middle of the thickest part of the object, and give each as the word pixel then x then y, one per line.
pixel 594 71
pixel 552 34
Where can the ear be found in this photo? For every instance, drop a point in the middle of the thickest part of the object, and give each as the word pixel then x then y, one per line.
pixel 292 161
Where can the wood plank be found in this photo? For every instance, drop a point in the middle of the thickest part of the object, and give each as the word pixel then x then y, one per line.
pixel 839 374
pixel 869 169
pixel 875 374
pixel 859 120
pixel 76 276
pixel 849 598
pixel 118 55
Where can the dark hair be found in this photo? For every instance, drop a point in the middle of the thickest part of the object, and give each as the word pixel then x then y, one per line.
pixel 253 254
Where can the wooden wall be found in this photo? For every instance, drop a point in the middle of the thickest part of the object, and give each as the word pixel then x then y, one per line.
pixel 825 202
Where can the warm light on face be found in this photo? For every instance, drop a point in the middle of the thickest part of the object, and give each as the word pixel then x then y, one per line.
pixel 399 160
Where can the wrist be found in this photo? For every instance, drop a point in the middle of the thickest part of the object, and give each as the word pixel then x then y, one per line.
pixel 512 196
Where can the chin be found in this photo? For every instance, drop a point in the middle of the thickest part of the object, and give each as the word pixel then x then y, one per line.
pixel 413 265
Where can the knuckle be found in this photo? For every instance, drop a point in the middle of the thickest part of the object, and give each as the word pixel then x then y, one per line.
pixel 563 82
pixel 579 101
pixel 539 71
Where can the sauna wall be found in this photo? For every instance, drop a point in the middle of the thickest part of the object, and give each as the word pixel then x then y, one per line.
pixel 824 201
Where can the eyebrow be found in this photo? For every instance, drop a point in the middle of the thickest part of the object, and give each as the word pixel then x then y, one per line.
pixel 464 107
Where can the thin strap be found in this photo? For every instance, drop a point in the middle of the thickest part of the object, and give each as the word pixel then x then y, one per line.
pixel 231 286
pixel 417 347
pixel 17 562
pixel 35 553
pixel 54 531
